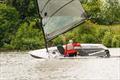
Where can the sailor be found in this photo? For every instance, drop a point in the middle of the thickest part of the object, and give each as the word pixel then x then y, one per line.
pixel 69 49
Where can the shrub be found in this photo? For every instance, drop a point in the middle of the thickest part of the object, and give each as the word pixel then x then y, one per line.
pixel 87 28
pixel 8 47
pixel 88 38
pixel 100 32
pixel 58 40
pixel 107 39
pixel 28 37
pixel 116 41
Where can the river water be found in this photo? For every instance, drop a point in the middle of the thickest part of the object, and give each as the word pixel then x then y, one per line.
pixel 21 66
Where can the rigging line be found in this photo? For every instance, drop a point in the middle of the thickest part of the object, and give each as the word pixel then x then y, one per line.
pixel 61 7
pixel 45 5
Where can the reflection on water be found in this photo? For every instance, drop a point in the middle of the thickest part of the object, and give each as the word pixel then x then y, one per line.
pixel 23 67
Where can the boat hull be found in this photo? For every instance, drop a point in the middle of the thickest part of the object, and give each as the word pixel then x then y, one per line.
pixel 88 50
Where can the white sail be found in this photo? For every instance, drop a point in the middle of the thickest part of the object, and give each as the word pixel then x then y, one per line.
pixel 59 16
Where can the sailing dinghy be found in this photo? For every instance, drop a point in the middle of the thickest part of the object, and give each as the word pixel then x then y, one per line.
pixel 58 17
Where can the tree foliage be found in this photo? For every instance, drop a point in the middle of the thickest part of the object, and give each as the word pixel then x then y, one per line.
pixel 18 29
pixel 103 12
pixel 26 8
pixel 107 39
pixel 9 19
pixel 27 37
pixel 116 41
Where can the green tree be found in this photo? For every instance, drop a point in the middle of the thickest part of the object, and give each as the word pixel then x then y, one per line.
pixel 102 12
pixel 26 8
pixel 9 19
pixel 28 37
pixel 92 8
pixel 110 12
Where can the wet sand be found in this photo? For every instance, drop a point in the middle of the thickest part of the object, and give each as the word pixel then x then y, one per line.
pixel 19 66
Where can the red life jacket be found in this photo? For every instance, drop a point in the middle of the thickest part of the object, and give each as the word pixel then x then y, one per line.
pixel 72 51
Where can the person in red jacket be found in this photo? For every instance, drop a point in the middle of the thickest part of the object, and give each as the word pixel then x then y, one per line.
pixel 69 49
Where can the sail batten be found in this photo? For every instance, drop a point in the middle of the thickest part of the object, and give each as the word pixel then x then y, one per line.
pixel 45 5
pixel 58 16
pixel 61 8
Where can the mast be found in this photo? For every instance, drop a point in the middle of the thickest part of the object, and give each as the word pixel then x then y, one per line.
pixel 46 42
pixel 41 26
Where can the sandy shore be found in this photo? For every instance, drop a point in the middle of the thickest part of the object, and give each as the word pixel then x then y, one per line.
pixel 18 66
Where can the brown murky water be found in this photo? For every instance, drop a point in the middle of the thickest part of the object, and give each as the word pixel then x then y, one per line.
pixel 17 66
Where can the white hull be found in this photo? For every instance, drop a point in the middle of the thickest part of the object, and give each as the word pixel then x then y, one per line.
pixel 91 49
